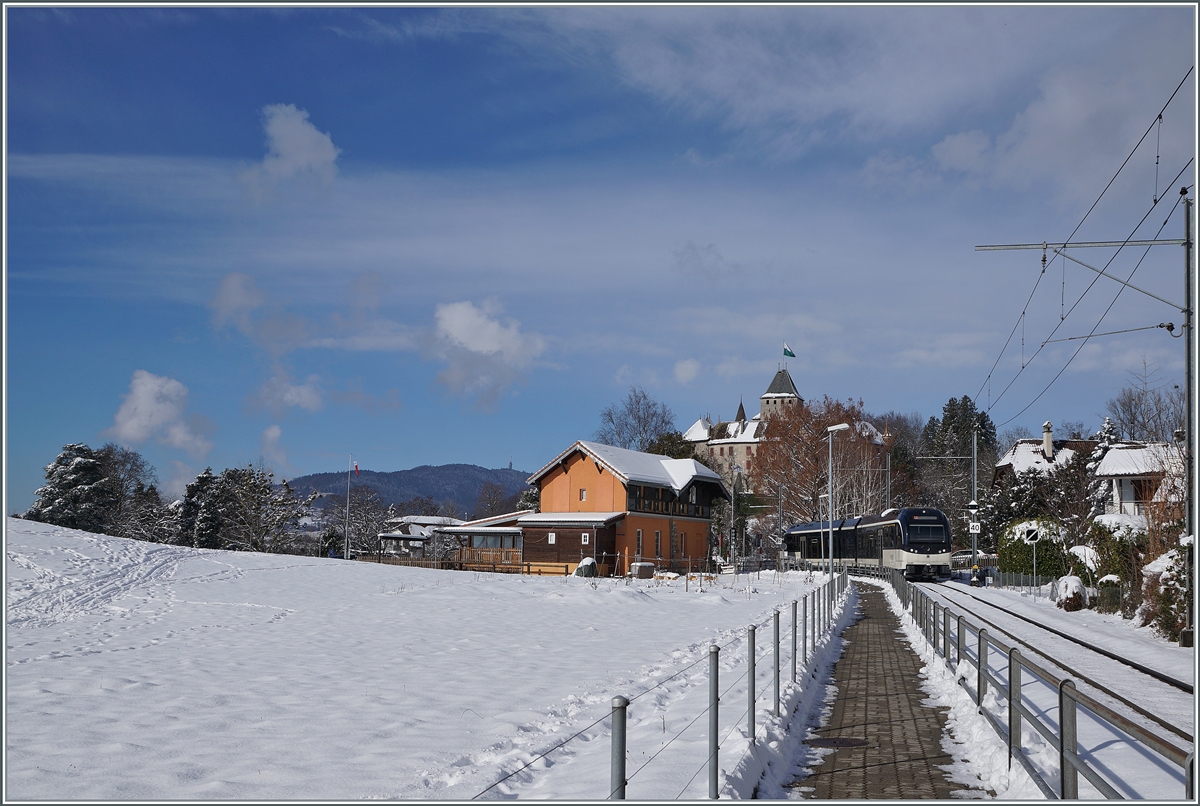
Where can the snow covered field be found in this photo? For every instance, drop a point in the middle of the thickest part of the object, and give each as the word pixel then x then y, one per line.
pixel 141 671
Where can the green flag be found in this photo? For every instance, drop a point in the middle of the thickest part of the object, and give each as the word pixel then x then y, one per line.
pixel 788 351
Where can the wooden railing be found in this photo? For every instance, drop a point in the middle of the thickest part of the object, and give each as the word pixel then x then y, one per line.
pixel 469 556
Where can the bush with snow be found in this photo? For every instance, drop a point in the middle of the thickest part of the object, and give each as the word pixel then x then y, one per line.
pixel 1072 595
pixel 1165 604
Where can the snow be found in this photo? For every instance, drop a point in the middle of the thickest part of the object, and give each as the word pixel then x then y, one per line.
pixel 1086 555
pixel 638 467
pixel 1027 453
pixel 698 431
pixel 1117 521
pixel 141 671
pixel 1134 770
pixel 1139 459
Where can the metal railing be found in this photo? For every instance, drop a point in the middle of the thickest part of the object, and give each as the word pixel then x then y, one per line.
pixel 811 617
pixel 948 635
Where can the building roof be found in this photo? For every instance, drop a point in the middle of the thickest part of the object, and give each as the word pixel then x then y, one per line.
pixel 781 386
pixel 570 518
pixel 506 519
pixel 737 431
pixel 1139 459
pixel 638 467
pixel 1027 453
pixel 698 432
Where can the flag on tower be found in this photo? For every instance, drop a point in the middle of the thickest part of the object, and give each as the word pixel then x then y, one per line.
pixel 788 351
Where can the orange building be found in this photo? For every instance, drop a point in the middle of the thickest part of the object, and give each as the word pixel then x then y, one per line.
pixel 620 507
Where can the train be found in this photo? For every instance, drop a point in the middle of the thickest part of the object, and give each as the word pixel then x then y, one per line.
pixel 915 540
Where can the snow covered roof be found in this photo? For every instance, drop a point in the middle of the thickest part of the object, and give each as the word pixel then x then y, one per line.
pixel 638 467
pixel 1120 520
pixel 698 432
pixel 496 520
pixel 1027 453
pixel 1139 459
pixel 570 518
pixel 421 536
pixel 425 520
pixel 739 431
pixel 869 431
pixel 781 386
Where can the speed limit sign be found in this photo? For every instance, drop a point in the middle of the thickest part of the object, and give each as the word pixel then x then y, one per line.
pixel 974 528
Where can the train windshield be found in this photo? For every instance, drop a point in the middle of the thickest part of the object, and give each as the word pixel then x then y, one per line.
pixel 926 533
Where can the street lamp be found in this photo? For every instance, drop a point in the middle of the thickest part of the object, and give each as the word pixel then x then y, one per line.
pixel 831 430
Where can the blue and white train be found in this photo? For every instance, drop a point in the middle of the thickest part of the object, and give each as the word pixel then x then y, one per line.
pixel 915 540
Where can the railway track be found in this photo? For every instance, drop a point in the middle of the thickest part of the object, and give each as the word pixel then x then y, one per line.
pixel 956 597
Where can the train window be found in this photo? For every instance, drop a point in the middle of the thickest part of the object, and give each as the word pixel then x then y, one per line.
pixel 926 533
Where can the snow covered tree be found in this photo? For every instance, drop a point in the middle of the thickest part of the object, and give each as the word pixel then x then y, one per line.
pixel 77 494
pixel 531 498
pixel 368 518
pixel 139 512
pixel 257 514
pixel 946 483
pixel 201 513
pixel 636 423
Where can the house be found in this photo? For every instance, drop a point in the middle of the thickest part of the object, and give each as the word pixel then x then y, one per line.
pixel 1045 454
pixel 489 542
pixel 620 506
pixel 1139 474
pixel 408 534
pixel 736 443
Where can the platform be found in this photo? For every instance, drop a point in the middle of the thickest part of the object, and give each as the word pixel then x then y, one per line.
pixel 886 744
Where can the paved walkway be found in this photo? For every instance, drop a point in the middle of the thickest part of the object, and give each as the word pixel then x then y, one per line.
pixel 887 744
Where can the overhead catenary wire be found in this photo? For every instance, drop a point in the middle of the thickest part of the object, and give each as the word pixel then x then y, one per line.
pixel 1133 151
pixel 1024 363
pixel 1102 316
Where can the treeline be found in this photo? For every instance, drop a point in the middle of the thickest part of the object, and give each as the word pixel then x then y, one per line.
pixel 114 490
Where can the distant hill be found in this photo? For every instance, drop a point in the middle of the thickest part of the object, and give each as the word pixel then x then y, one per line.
pixel 457 483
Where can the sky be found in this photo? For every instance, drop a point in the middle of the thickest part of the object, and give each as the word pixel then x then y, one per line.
pixel 428 236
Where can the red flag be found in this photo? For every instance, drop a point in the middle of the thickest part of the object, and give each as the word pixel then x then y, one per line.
pixel 356 468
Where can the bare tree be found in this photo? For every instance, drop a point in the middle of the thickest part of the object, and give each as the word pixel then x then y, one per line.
pixel 492 500
pixel 636 423
pixel 1148 410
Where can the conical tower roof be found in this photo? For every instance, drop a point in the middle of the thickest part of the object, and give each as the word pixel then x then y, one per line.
pixel 781 385
pixel 741 415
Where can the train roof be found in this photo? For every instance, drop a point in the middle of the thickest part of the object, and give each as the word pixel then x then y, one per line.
pixel 890 516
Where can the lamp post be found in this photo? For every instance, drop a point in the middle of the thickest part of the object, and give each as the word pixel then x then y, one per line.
pixel 831 430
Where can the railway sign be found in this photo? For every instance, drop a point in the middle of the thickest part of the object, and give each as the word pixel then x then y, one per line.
pixel 1032 536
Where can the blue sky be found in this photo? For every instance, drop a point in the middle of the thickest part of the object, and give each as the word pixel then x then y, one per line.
pixel 426 236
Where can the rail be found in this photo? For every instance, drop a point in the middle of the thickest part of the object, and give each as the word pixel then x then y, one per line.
pixel 947 633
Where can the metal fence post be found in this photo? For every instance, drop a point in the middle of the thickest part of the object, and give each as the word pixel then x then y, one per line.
pixel 1014 700
pixel 750 685
pixel 934 631
pixel 959 640
pixel 1068 776
pixel 981 668
pixel 776 618
pixel 714 656
pixel 617 778
pixel 804 646
pixel 946 634
pixel 794 603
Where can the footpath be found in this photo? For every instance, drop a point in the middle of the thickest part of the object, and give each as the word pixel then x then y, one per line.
pixel 883 743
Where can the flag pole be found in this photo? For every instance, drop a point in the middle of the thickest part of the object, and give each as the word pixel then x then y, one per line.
pixel 346 549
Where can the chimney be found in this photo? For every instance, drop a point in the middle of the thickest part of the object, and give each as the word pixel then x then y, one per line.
pixel 1048 441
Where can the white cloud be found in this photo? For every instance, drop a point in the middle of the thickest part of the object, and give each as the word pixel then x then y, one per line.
pixel 271 450
pixel 484 355
pixel 294 148
pixel 279 394
pixel 155 408
pixel 236 297
pixel 181 476
pixel 686 370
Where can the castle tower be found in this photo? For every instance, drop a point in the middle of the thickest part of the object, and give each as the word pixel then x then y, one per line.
pixel 780 394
